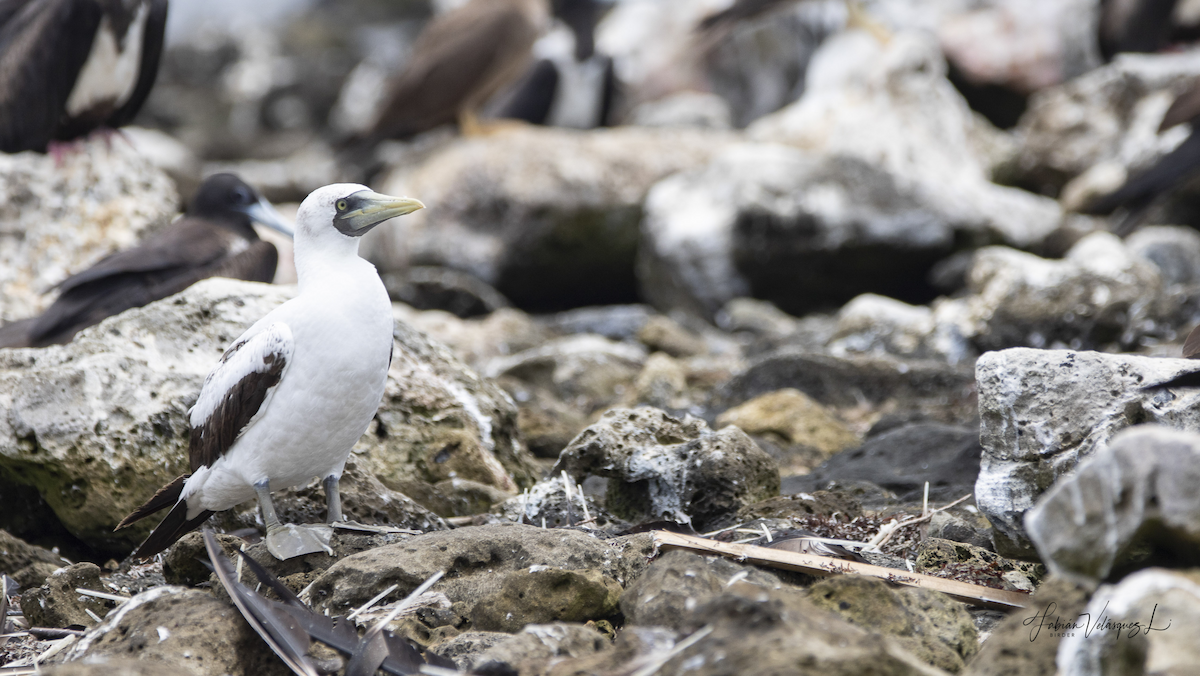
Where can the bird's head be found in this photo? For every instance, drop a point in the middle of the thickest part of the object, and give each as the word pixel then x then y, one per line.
pixel 223 195
pixel 347 211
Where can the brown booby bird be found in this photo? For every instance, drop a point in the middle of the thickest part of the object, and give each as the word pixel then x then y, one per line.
pixel 461 59
pixel 571 85
pixel 214 239
pixel 1134 26
pixel 1175 168
pixel 68 67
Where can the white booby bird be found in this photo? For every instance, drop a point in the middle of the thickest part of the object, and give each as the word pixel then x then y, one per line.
pixel 214 238
pixel 294 392
pixel 68 67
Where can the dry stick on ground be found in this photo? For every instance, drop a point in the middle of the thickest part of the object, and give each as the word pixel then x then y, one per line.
pixel 889 529
pixel 821 565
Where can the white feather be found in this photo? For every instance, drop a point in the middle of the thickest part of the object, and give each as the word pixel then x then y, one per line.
pixel 110 73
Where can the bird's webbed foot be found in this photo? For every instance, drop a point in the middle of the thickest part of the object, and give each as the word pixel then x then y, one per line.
pixel 286 541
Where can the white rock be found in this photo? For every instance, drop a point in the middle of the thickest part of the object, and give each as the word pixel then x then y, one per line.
pixel 1131 503
pixel 892 106
pixel 1143 620
pixel 58 217
pixel 1109 115
pixel 1043 411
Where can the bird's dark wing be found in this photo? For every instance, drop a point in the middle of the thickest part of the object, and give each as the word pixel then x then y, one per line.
pixel 1140 190
pixel 238 391
pixel 152 45
pixel 43 46
pixel 187 243
pixel 533 96
pixel 1134 26
pixel 1191 346
pixel 1184 108
pixel 163 265
pixel 9 9
pixel 454 58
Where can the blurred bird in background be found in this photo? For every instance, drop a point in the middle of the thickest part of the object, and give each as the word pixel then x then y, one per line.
pixel 68 67
pixel 214 238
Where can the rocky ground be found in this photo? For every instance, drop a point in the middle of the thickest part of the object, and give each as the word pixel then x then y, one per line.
pixel 842 301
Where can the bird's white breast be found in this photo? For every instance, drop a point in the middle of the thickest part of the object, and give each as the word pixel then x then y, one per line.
pixel 342 341
pixel 110 74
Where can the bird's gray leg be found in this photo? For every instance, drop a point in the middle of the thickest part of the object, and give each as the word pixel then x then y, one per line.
pixel 333 499
pixel 270 519
pixel 285 542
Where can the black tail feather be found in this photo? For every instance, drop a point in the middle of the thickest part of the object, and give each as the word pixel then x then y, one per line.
pixel 174 526
pixel 165 497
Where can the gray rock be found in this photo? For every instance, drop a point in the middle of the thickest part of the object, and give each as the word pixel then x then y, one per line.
pixel 903 459
pixel 538 213
pixel 615 322
pixel 466 647
pixel 944 392
pixel 105 666
pixel 584 370
pixel 758 65
pixel 660 467
pixel 676 582
pixel 1129 505
pixel 187 631
pixel 537 646
pixel 477 340
pixel 1023 643
pixel 872 324
pixel 788 631
pixel 104 419
pixel 1174 249
pixel 1153 605
pixel 1100 294
pixel 684 109
pixel 507 575
pixel 548 503
pixel 750 221
pixel 428 287
pixel 978 565
pixel 60 216
pixel 929 624
pixel 27 564
pixel 1043 411
pixel 56 604
pixel 1105 120
pixel 965 525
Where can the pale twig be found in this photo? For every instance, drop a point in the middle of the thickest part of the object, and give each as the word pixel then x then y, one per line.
pixel 683 645
pixel 102 595
pixel 375 599
pixel 889 529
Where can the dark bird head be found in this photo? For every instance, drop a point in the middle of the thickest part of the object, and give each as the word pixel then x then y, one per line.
pixel 582 17
pixel 224 197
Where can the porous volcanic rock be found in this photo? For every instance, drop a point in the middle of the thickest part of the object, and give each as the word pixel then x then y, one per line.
pixel 661 467
pixel 506 575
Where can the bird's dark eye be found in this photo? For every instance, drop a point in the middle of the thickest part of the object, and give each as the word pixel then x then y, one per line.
pixel 342 205
pixel 243 196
